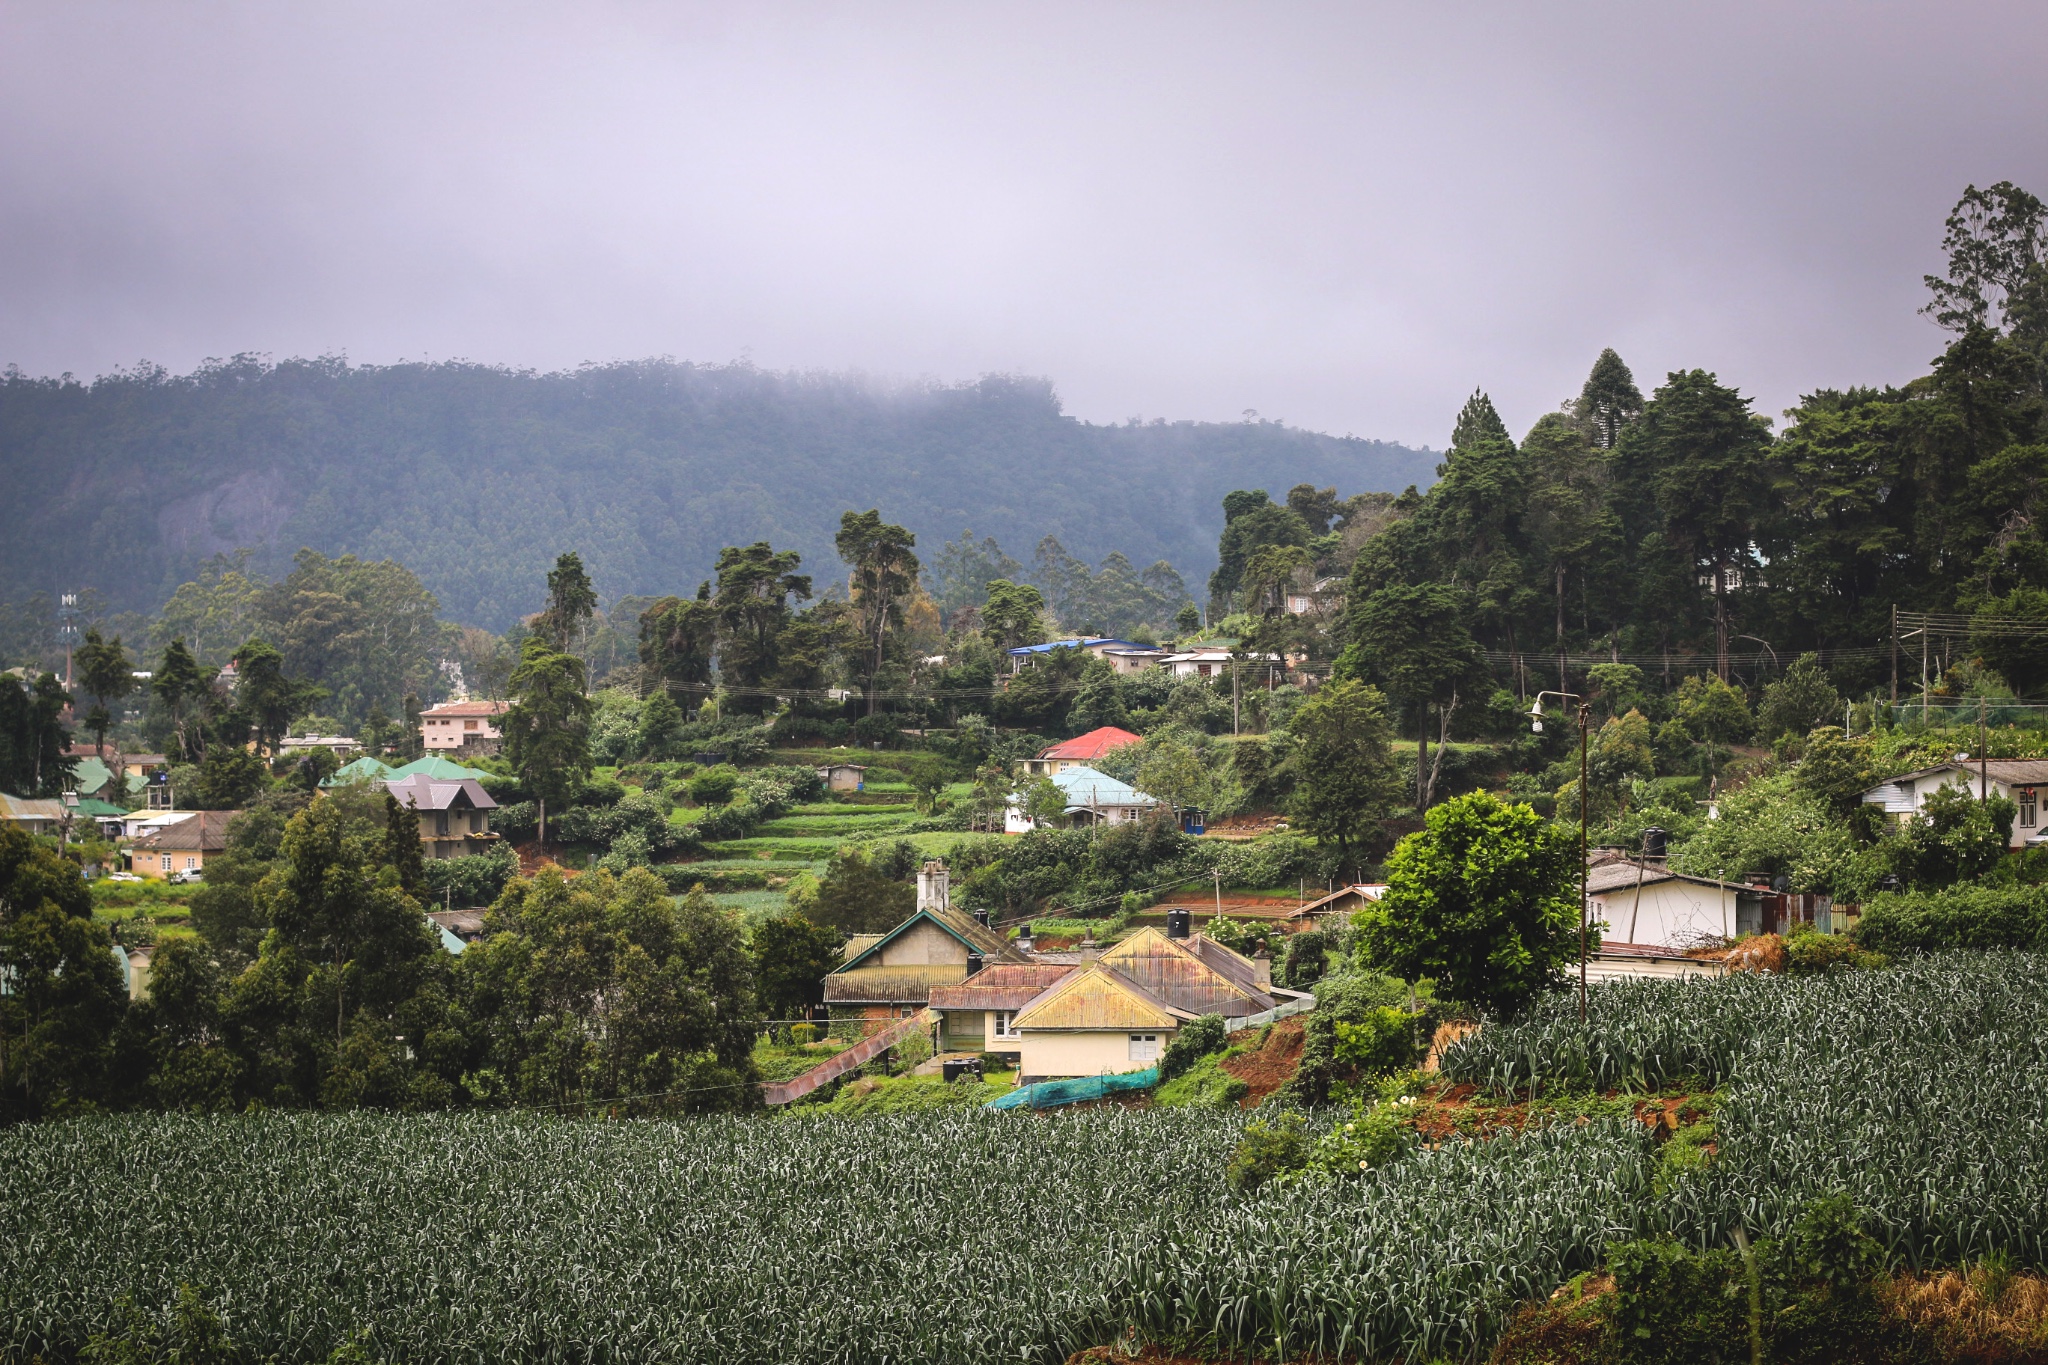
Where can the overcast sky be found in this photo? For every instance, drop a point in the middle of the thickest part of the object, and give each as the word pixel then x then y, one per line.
pixel 1344 216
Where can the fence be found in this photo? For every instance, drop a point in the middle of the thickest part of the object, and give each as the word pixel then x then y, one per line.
pixel 1048 1094
pixel 1301 1002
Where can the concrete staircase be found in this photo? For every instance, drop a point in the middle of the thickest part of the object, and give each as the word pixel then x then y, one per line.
pixel 860 1054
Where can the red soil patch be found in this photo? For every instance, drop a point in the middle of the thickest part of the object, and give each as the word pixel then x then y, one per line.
pixel 1272 1064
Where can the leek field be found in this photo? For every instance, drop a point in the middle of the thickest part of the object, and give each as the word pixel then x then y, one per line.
pixel 961 1236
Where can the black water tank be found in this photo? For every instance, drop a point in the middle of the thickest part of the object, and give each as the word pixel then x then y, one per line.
pixel 1177 923
pixel 974 961
pixel 1655 841
pixel 981 918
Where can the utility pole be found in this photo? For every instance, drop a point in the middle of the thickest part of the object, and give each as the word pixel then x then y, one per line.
pixel 1983 758
pixel 1895 656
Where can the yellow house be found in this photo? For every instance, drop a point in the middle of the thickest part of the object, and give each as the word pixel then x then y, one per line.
pixel 182 846
pixel 1094 1022
pixel 1120 1011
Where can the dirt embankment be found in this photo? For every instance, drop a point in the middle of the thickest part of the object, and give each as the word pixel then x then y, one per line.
pixel 1270 1065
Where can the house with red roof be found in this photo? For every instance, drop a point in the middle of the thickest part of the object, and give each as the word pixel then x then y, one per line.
pixel 1080 751
pixel 464 726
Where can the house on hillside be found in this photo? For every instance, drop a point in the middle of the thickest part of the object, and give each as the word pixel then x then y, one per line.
pixel 466 726
pixel 341 746
pixel 360 772
pixel 1123 655
pixel 1080 751
pixel 976 1014
pixel 2021 781
pixel 180 847
pixel 1646 904
pixel 1319 595
pixel 892 975
pixel 1342 902
pixel 454 816
pixel 1119 1011
pixel 1255 670
pixel 1093 798
pixel 34 816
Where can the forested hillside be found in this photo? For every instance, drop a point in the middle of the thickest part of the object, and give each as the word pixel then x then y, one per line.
pixel 475 476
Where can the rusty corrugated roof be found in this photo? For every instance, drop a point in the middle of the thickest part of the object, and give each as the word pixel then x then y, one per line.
pixel 1006 987
pixel 992 946
pixel 890 985
pixel 1208 980
pixel 1093 997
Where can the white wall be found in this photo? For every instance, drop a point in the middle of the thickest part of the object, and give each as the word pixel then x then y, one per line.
pixel 1081 1052
pixel 1673 914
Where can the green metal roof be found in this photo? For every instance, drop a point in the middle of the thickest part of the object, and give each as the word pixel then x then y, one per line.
pixel 364 769
pixel 435 766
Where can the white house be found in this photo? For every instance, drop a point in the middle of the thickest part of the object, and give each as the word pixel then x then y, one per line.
pixel 2021 781
pixel 1216 663
pixel 462 725
pixel 1093 798
pixel 1123 655
pixel 1645 903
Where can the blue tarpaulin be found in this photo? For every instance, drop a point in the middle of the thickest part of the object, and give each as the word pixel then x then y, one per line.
pixel 1048 1094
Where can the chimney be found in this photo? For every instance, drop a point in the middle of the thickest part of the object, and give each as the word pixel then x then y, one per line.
pixel 1024 937
pixel 932 892
pixel 1262 963
pixel 1177 922
pixel 981 918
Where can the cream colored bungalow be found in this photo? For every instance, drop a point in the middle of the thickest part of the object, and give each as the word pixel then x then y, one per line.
pixel 1120 1011
pixel 892 975
pixel 1095 1022
pixel 182 846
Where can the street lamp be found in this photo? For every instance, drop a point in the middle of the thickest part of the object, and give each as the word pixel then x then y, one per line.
pixel 1536 727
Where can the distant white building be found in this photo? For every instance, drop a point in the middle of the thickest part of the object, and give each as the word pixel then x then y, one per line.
pixel 2021 781
pixel 471 725
pixel 1093 798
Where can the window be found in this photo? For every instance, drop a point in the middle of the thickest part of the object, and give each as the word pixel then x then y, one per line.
pixel 167 862
pixel 469 725
pixel 2028 807
pixel 1144 1047
pixel 191 862
pixel 1005 1026
pixel 440 822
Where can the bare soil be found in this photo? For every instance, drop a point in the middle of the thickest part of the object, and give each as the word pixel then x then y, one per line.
pixel 1272 1064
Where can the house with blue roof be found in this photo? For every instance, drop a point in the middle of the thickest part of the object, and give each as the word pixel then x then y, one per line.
pixel 1093 798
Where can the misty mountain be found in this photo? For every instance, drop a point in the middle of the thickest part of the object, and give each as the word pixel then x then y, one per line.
pixel 476 476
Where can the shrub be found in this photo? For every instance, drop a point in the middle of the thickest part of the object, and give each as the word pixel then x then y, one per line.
pixel 1384 1041
pixel 1959 917
pixel 471 881
pixel 714 786
pixel 1204 1085
pixel 1268 1150
pixel 1195 1040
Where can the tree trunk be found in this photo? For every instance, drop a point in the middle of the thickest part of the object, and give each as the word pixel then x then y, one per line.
pixel 1443 741
pixel 1421 761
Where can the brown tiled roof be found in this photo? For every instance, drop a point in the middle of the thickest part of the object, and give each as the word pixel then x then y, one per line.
pixel 1009 986
pixel 203 831
pixel 467 708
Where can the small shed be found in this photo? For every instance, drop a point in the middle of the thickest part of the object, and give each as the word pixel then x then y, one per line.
pixel 843 777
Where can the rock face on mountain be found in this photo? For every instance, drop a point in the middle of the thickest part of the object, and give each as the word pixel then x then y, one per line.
pixel 476 476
